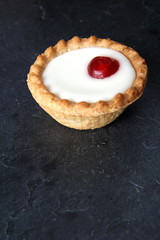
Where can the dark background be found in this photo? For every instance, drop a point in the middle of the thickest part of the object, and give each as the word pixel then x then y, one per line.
pixel 59 183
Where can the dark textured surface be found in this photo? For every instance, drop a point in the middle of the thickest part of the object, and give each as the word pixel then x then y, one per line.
pixel 58 183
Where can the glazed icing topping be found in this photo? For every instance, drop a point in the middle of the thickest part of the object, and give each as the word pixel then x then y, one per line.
pixel 67 76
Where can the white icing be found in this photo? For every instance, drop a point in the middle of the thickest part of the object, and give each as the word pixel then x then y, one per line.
pixel 67 76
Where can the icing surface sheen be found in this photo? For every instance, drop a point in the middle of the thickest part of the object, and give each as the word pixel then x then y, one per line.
pixel 68 78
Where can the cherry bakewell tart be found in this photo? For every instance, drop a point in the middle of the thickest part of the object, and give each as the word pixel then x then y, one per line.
pixel 86 83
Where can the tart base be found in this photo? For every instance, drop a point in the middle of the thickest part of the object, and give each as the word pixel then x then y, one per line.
pixel 83 122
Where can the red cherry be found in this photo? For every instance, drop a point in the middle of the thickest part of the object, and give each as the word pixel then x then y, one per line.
pixel 102 67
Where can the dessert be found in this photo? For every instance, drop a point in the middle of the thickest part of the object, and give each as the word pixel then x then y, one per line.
pixel 86 83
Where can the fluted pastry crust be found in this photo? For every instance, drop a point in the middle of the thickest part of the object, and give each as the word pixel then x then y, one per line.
pixel 84 115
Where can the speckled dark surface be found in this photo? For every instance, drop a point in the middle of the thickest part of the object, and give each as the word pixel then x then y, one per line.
pixel 57 183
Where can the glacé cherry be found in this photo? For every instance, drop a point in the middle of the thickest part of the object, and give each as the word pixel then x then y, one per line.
pixel 102 67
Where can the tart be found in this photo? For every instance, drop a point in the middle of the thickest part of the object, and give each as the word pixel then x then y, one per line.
pixel 86 83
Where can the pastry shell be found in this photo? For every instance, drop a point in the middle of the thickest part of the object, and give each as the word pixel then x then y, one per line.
pixel 84 115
